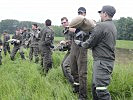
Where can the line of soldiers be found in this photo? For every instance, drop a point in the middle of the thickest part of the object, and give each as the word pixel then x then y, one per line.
pixel 40 43
pixel 80 35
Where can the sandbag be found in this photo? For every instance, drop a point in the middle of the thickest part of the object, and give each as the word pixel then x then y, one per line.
pixel 82 23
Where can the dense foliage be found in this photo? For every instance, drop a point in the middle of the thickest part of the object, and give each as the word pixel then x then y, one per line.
pixel 124 27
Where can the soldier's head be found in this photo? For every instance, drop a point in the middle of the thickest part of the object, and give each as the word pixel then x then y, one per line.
pixel 17 31
pixel 48 22
pixel 34 26
pixel 5 32
pixel 24 29
pixel 28 30
pixel 64 22
pixel 82 11
pixel 21 30
pixel 107 12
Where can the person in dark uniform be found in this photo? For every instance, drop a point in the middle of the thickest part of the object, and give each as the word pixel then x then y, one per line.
pixel 27 39
pixel 66 47
pixel 17 40
pixel 6 46
pixel 1 46
pixel 78 58
pixel 46 43
pixel 34 43
pixel 102 41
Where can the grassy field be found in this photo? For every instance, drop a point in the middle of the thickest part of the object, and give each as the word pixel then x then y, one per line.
pixel 23 80
pixel 119 43
pixel 124 44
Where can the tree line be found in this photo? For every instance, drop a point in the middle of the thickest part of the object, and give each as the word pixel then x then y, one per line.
pixel 124 27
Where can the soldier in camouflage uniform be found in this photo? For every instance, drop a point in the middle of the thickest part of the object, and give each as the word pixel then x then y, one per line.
pixel 6 46
pixel 17 45
pixel 66 61
pixel 27 39
pixel 0 52
pixel 47 37
pixel 24 32
pixel 34 46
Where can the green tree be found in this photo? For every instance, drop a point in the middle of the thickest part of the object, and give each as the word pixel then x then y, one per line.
pixel 125 28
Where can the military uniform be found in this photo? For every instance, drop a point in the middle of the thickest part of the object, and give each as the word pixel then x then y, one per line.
pixel 27 40
pixel 0 52
pixel 34 45
pixel 79 54
pixel 47 37
pixel 17 46
pixel 78 58
pixel 66 61
pixel 6 46
pixel 102 41
pixel 24 38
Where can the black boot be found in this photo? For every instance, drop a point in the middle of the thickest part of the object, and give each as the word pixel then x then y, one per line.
pixel 12 58
pixel 75 87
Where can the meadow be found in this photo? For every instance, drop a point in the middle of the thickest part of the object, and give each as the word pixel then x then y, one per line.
pixel 24 80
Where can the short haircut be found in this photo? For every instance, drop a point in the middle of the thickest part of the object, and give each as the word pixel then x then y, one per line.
pixel 48 22
pixel 5 31
pixel 35 25
pixel 64 18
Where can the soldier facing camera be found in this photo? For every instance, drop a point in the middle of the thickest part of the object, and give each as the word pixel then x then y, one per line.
pixel 17 40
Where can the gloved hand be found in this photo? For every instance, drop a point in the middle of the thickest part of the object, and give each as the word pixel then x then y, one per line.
pixel 78 42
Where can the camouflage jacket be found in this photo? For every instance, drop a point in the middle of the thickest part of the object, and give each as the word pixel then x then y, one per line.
pixel 35 38
pixel 47 37
pixel 17 37
pixel 6 38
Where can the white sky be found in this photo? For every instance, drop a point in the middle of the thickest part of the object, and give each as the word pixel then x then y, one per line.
pixel 40 10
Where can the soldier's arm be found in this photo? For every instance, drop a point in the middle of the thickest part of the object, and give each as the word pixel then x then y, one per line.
pixel 94 38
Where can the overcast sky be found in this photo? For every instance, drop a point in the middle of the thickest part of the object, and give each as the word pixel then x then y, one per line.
pixel 40 10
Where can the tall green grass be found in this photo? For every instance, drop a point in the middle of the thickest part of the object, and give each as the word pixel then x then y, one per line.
pixel 23 80
pixel 125 44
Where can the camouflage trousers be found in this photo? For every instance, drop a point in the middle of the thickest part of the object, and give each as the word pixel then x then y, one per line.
pixel 46 59
pixel 0 58
pixel 6 48
pixel 14 51
pixel 34 51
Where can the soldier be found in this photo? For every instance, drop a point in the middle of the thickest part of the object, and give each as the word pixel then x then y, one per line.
pixel 1 52
pixel 34 40
pixel 66 47
pixel 78 58
pixel 102 41
pixel 17 40
pixel 6 45
pixel 27 39
pixel 24 32
pixel 47 38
